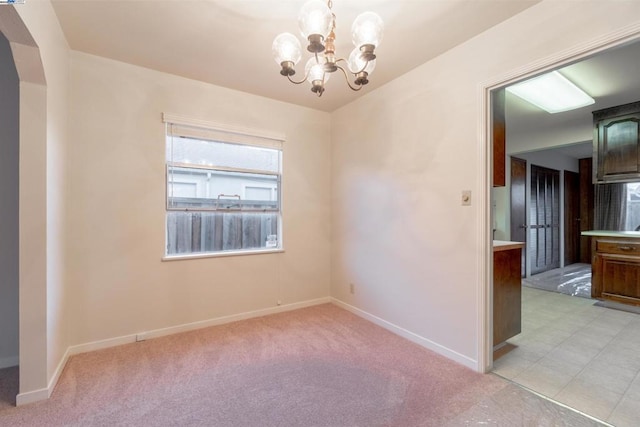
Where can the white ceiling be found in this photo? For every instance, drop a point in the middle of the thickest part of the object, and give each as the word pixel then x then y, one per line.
pixel 611 78
pixel 228 42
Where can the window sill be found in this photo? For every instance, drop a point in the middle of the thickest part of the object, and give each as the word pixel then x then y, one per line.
pixel 220 254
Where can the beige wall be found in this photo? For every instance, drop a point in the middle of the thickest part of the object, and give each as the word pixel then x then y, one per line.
pixel 55 59
pixel 381 178
pixel 401 156
pixel 118 284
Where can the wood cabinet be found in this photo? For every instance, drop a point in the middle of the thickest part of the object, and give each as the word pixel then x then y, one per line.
pixel 498 121
pixel 616 139
pixel 586 207
pixel 507 291
pixel 616 269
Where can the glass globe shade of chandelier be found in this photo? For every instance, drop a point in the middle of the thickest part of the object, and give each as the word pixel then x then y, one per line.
pixel 317 23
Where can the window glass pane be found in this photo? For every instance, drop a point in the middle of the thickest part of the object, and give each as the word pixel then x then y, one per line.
pixel 633 207
pixel 213 189
pixel 212 153
pixel 201 232
pixel 221 196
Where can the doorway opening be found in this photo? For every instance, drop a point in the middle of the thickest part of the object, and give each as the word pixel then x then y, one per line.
pixel 570 349
pixel 9 225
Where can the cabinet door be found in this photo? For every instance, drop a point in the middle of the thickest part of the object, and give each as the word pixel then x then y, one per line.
pixel 618 152
pixel 507 295
pixel 620 278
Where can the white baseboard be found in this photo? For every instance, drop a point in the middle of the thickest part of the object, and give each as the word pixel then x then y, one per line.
pixel 45 393
pixel 156 333
pixel 32 396
pixel 421 341
pixel 9 362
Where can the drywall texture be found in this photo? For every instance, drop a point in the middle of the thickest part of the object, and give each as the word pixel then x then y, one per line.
pixel 402 155
pixel 118 283
pixel 9 152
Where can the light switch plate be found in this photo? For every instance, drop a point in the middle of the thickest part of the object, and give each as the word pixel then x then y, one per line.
pixel 466 198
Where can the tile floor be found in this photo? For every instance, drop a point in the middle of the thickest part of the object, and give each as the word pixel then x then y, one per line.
pixel 584 356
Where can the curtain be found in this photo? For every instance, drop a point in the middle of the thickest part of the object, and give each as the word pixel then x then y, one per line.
pixel 610 206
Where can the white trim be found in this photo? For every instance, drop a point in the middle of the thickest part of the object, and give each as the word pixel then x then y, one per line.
pixel 222 254
pixel 206 124
pixel 484 262
pixel 9 362
pixel 32 396
pixel 45 393
pixel 156 333
pixel 413 337
pixel 578 52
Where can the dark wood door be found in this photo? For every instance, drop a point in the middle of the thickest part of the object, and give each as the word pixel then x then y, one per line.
pixel 571 217
pixel 544 235
pixel 519 204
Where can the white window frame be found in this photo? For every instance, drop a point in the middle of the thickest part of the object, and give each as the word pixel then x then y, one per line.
pixel 176 125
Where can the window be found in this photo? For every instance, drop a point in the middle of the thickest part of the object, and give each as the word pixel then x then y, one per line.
pixel 223 189
pixel 632 216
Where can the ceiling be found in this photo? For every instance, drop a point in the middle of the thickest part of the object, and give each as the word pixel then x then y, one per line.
pixel 611 78
pixel 228 42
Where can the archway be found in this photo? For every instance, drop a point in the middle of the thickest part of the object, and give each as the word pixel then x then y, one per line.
pixel 9 224
pixel 32 205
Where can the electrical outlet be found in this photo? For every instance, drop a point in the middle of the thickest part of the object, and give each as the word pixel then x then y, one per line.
pixel 352 288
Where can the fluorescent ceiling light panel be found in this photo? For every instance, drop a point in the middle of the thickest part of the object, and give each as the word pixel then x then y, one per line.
pixel 552 92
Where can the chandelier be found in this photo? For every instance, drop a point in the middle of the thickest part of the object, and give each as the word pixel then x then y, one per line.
pixel 317 24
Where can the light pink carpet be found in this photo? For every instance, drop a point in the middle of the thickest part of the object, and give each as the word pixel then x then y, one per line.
pixel 320 366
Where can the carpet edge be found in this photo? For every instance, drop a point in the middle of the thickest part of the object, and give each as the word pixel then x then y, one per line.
pixel 45 393
pixel 411 336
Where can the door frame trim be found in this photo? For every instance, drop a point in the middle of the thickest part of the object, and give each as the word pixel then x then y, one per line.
pixel 485 172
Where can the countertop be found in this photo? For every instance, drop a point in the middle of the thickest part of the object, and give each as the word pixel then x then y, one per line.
pixel 611 233
pixel 502 245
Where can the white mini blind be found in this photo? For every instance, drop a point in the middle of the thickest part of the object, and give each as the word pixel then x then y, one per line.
pixel 200 129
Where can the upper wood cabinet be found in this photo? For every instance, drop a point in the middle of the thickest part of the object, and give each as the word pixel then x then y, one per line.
pixel 498 129
pixel 616 143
